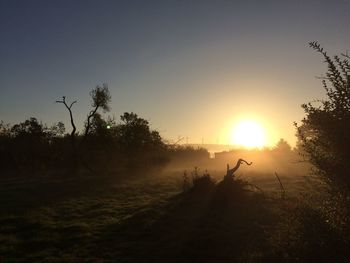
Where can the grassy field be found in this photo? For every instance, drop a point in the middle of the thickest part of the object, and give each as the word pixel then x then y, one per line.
pixel 148 219
pixel 62 219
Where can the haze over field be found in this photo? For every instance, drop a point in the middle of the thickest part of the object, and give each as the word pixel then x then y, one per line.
pixel 174 131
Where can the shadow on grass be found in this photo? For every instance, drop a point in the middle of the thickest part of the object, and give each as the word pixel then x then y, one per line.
pixel 212 223
pixel 150 222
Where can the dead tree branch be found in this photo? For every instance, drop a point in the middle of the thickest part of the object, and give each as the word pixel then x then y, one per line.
pixel 230 172
pixel 69 108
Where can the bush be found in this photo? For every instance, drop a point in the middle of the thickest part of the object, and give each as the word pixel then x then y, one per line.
pixel 323 134
pixel 200 183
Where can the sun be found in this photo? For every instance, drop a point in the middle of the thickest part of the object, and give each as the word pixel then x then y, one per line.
pixel 249 134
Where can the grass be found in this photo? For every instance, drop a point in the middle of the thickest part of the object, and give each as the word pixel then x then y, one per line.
pixel 91 219
pixel 55 219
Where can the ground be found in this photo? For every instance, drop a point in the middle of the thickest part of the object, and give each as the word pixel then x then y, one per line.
pixel 147 218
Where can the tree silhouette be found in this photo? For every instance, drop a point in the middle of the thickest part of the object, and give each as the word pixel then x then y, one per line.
pixel 282 146
pixel 98 126
pixel 29 143
pixel 57 130
pixel 100 98
pixel 135 133
pixel 323 134
pixel 69 108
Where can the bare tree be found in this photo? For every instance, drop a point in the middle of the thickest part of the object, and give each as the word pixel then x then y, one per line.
pixel 69 108
pixel 100 100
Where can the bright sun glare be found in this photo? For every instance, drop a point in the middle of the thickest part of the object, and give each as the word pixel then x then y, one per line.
pixel 249 134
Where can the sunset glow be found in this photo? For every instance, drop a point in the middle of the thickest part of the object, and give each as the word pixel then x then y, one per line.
pixel 249 134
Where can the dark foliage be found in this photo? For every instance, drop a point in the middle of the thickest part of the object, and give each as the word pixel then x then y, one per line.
pixel 324 142
pixel 100 98
pixel 323 133
pixel 187 156
pixel 32 146
pixel 202 183
pixel 304 234
pixel 103 146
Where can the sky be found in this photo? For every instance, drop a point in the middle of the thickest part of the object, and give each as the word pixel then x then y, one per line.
pixel 191 68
